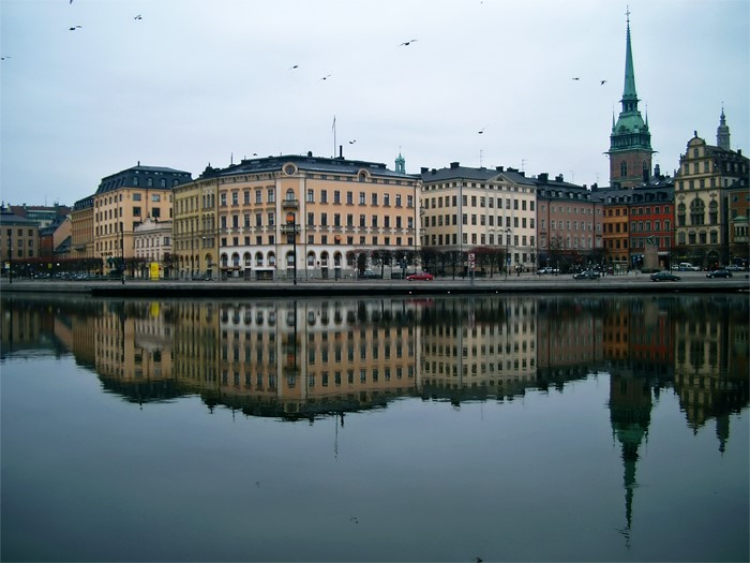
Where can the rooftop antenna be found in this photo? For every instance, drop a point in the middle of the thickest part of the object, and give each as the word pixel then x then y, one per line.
pixel 523 162
pixel 480 158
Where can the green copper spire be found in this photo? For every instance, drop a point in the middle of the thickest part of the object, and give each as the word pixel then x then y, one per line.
pixel 629 96
pixel 630 141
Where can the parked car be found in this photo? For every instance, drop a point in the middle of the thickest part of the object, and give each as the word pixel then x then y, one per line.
pixel 733 268
pixel 548 270
pixel 664 276
pixel 422 276
pixel 587 275
pixel 722 273
pixel 687 267
pixel 369 275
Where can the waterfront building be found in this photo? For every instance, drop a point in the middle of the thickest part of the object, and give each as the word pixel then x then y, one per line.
pixel 630 149
pixel 298 217
pixel 569 224
pixel 195 232
pixel 126 199
pixel 708 180
pixel 490 213
pixel 19 241
pixel 82 229
pixel 152 243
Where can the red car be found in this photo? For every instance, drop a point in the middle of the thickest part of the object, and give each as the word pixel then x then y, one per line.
pixel 424 276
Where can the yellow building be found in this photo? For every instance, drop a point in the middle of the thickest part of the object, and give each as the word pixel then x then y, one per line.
pixel 194 228
pixel 126 199
pixel 296 217
pixel 82 226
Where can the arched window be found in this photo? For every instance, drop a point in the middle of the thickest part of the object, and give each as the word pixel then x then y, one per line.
pixel 272 259
pixel 681 214
pixel 713 213
pixel 236 260
pixel 290 195
pixel 311 259
pixel 337 260
pixel 324 259
pixel 246 258
pixel 697 212
pixel 224 260
pixel 258 259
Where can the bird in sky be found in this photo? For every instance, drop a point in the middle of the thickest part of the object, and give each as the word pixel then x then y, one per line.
pixel 138 17
pixel 3 58
pixel 352 141
pixel 576 78
pixel 71 1
pixel 603 82
pixel 407 43
pixel 326 77
pixel 481 130
pixel 76 27
pixel 293 67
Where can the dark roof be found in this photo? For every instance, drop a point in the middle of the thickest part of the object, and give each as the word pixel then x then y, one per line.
pixel 138 176
pixel 11 219
pixel 481 174
pixel 307 163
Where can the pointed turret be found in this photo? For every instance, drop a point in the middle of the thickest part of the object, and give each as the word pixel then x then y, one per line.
pixel 722 133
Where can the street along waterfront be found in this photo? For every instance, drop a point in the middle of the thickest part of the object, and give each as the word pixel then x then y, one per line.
pixel 580 427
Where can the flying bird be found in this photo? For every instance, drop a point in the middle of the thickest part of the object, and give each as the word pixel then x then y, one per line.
pixel 603 82
pixel 481 130
pixel 3 58
pixel 576 78
pixel 138 17
pixel 352 141
pixel 293 67
pixel 407 43
pixel 76 27
pixel 326 77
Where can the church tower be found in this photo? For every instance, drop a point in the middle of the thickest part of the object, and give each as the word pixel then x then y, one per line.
pixel 722 133
pixel 630 141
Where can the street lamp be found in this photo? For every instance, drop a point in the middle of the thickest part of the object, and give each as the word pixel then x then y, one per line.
pixel 10 255
pixel 291 220
pixel 507 256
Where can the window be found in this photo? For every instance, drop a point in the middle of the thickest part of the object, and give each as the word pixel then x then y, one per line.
pixel 336 197
pixel 271 195
pixel 349 198
pixel 386 200
pixel 310 196
pixel 362 198
pixel 323 196
pixel 136 197
pixel 398 200
pixel 235 198
pixel 156 198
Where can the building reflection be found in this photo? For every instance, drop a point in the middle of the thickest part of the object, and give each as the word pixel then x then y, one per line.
pixel 310 357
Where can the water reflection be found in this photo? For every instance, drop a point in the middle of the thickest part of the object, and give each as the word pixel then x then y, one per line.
pixel 310 357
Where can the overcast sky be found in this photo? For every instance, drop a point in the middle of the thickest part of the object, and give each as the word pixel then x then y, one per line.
pixel 195 82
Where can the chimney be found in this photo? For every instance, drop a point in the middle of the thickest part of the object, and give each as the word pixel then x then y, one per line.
pixel 559 178
pixel 543 177
pixel 423 170
pixel 341 151
pixel 455 165
pixel 499 168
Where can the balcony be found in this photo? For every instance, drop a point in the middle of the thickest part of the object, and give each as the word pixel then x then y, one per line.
pixel 290 204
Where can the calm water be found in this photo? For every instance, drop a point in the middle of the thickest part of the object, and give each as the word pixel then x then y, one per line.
pixel 596 428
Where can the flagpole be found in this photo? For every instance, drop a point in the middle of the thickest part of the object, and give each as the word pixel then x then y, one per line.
pixel 334 136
